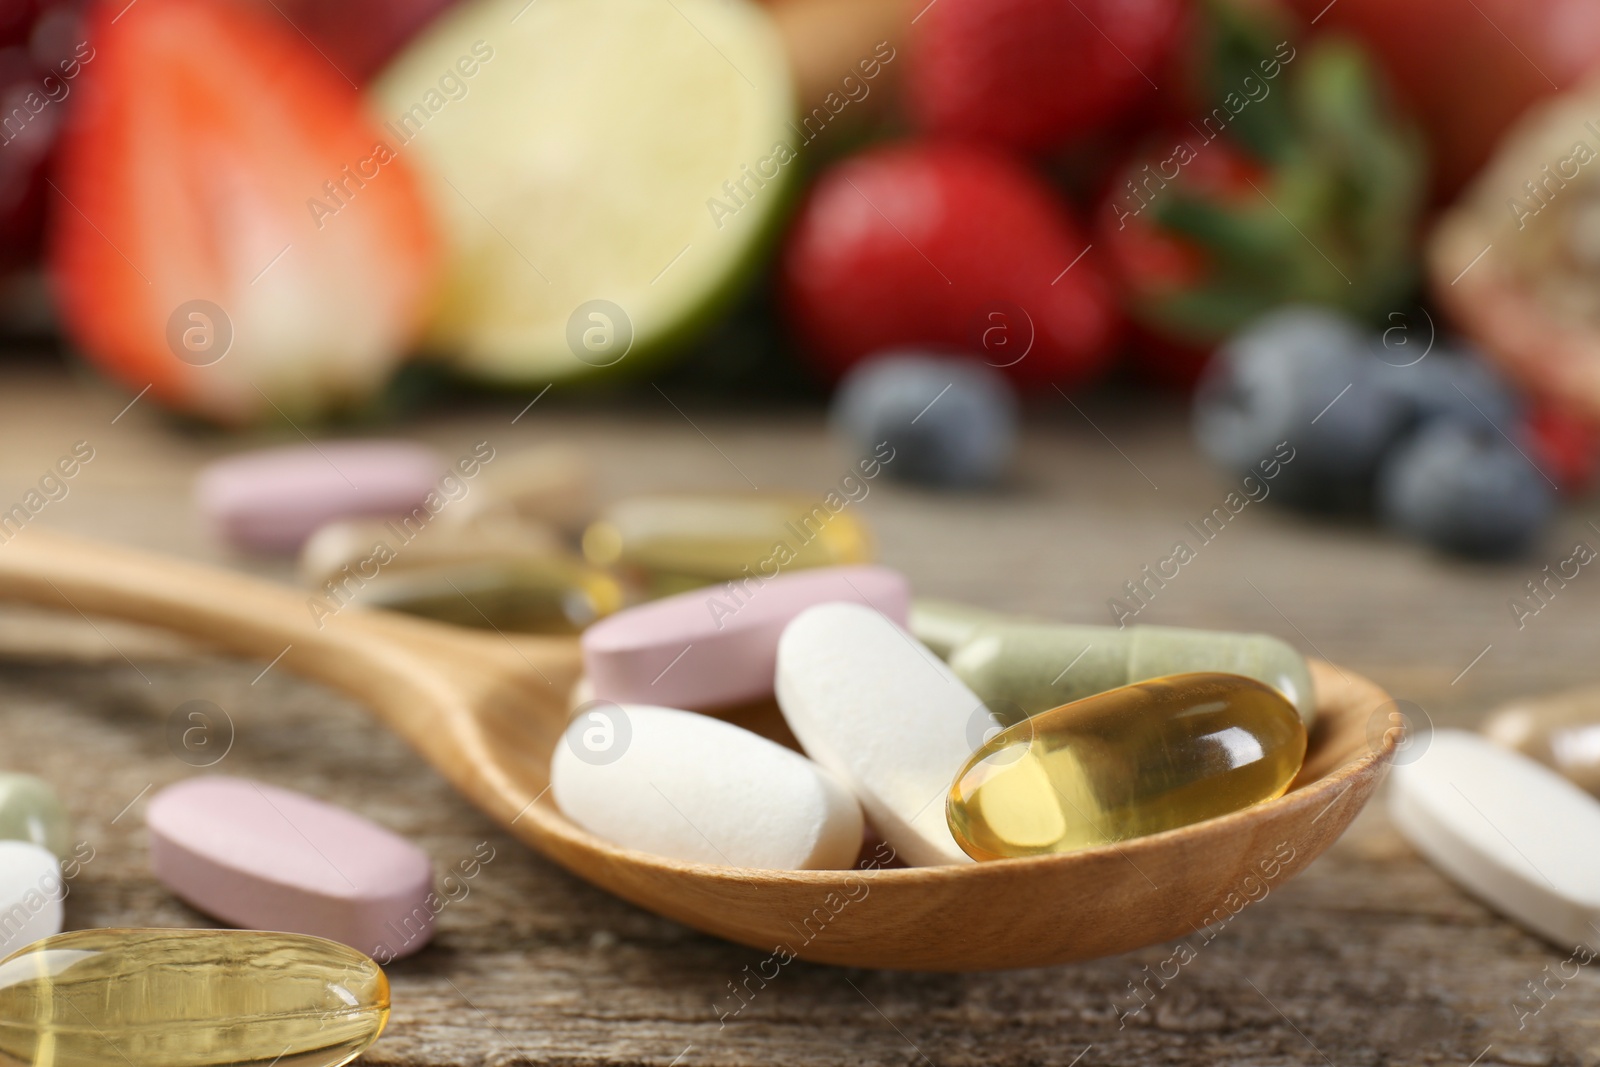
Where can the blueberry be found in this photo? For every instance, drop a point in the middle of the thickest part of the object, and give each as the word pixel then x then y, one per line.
pixel 1464 489
pixel 1450 383
pixel 952 421
pixel 1301 375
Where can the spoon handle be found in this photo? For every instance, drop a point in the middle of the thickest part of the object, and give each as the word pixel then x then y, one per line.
pixel 243 615
pixel 364 653
pixel 462 699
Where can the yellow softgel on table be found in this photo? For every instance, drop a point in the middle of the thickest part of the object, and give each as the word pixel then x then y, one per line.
pixel 188 998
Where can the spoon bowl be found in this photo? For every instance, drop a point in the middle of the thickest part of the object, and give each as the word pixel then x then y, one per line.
pixel 486 710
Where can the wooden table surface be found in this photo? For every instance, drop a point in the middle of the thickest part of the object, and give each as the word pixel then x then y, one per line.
pixel 1369 957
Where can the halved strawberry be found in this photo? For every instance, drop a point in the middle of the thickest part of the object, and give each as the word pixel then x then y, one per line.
pixel 230 228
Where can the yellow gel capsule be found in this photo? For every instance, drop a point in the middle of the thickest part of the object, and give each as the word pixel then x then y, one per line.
pixel 188 998
pixel 1124 763
pixel 681 541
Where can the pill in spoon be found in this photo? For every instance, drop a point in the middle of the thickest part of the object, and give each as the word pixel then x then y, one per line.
pixel 718 647
pixel 1131 761
pixel 1039 666
pixel 867 701
pixel 697 789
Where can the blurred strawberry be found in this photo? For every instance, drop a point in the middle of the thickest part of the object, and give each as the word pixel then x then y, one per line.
pixel 1033 74
pixel 231 229
pixel 1298 187
pixel 1469 70
pixel 356 36
pixel 947 245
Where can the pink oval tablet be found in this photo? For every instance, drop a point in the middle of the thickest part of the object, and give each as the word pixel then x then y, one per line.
pixel 718 646
pixel 272 500
pixel 265 858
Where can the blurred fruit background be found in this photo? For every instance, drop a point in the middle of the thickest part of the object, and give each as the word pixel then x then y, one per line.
pixel 1369 230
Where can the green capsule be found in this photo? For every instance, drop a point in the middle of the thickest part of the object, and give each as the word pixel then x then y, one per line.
pixel 30 811
pixel 556 595
pixel 1038 666
pixel 943 625
pixel 188 998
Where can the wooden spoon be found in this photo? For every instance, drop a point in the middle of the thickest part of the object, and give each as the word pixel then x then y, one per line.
pixel 486 711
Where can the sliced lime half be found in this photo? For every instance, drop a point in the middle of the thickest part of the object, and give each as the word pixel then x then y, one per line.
pixel 604 172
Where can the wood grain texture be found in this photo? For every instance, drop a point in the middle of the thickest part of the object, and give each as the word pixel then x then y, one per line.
pixel 1366 957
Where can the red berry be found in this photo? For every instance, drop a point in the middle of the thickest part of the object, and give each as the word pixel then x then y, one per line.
pixel 231 230
pixel 946 245
pixel 1032 74
pixel 1565 446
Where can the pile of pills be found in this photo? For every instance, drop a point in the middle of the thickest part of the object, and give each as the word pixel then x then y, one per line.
pixel 950 733
pixel 513 542
pixel 953 734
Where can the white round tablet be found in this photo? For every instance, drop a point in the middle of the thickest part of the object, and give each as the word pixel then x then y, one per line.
pixel 1509 830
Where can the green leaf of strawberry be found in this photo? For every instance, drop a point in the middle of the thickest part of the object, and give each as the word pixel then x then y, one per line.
pixel 1300 185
